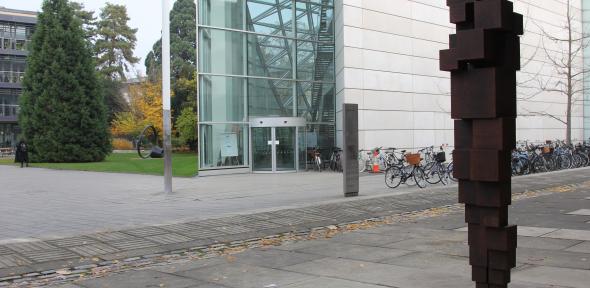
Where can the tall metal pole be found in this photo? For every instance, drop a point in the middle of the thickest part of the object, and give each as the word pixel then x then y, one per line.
pixel 166 96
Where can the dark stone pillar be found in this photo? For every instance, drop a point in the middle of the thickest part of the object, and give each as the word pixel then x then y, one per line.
pixel 350 137
pixel 483 58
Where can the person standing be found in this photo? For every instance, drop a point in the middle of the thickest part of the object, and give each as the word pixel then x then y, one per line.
pixel 22 154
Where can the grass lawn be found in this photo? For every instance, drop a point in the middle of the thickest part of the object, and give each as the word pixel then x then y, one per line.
pixel 183 164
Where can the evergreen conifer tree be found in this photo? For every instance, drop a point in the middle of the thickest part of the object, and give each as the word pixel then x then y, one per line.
pixel 63 115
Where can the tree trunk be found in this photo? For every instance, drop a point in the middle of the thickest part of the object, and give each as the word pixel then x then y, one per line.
pixel 568 133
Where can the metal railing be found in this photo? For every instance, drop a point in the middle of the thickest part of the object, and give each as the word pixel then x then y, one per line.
pixel 9 110
pixel 11 76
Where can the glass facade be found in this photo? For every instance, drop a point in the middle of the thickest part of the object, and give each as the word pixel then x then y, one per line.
pixel 264 58
pixel 8 133
pixel 15 36
pixel 15 39
pixel 12 68
pixel 9 102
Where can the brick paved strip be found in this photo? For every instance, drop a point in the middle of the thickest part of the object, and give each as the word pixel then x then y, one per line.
pixel 206 235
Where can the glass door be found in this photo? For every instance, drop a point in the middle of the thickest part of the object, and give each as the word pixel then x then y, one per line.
pixel 274 149
pixel 286 145
pixel 262 149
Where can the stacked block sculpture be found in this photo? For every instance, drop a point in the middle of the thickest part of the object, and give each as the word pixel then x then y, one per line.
pixel 483 58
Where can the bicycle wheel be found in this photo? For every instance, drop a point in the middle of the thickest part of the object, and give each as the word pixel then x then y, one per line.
pixel 584 159
pixel 576 161
pixel 565 162
pixel 538 165
pixel 450 172
pixel 433 175
pixel 444 174
pixel 362 163
pixel 393 177
pixel 420 177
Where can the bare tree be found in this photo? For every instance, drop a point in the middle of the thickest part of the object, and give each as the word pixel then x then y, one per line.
pixel 567 64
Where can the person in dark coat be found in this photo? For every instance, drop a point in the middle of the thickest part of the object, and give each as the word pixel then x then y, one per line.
pixel 22 154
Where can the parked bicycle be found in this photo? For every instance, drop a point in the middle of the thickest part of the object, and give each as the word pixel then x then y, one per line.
pixel 411 174
pixel 551 156
pixel 336 160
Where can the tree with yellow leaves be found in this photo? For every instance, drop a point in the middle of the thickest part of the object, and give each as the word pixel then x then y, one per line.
pixel 145 108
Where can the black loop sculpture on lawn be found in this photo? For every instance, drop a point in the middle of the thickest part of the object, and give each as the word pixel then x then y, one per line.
pixel 147 143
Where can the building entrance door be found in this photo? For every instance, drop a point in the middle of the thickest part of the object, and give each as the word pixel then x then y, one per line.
pixel 274 144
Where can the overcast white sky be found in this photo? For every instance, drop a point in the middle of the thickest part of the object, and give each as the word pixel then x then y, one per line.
pixel 146 15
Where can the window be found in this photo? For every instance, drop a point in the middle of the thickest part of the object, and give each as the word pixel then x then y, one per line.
pixel 224 145
pixel 271 98
pixel 222 13
pixel 222 99
pixel 270 57
pixel 222 52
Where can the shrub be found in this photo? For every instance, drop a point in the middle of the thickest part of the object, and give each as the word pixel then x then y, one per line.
pixel 122 144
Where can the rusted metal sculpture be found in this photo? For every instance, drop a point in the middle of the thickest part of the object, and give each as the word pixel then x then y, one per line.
pixel 483 58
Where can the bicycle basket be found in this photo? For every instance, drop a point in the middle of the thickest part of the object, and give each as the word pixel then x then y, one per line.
pixel 441 157
pixel 547 150
pixel 413 159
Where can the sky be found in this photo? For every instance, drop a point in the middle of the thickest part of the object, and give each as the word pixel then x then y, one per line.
pixel 145 15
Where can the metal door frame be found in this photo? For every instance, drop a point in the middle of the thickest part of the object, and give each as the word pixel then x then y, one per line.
pixel 273 123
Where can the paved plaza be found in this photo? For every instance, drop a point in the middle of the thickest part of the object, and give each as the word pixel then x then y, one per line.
pixel 429 251
pixel 551 209
pixel 46 204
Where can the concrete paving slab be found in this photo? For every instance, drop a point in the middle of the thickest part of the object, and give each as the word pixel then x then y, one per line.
pixel 245 276
pixel 65 286
pixel 141 279
pixel 355 252
pixel 180 266
pixel 554 276
pixel 534 231
pixel 299 245
pixel 433 262
pixel 583 235
pixel 379 274
pixel 524 230
pixel 522 284
pixel 457 248
pixel 581 212
pixel 208 285
pixel 561 259
pixel 411 231
pixel 583 247
pixel 273 258
pixel 545 243
pixel 368 239
pixel 326 282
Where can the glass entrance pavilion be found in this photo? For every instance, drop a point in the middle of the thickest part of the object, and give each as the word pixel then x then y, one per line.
pixel 266 84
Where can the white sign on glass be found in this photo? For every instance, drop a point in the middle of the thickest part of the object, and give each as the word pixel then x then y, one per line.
pixel 229 145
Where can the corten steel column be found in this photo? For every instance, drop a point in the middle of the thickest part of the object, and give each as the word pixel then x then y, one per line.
pixel 483 58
